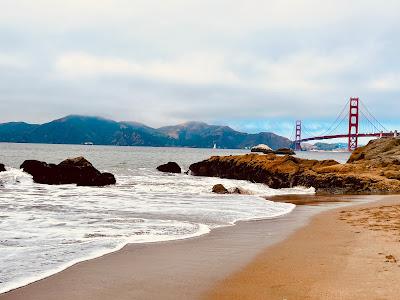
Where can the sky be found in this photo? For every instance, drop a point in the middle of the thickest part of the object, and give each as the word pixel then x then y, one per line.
pixel 256 65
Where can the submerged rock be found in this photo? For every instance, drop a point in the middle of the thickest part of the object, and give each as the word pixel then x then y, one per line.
pixel 284 151
pixel 170 167
pixel 238 190
pixel 2 168
pixel 374 168
pixel 219 189
pixel 75 170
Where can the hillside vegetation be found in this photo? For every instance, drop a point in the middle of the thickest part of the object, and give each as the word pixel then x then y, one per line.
pixel 81 129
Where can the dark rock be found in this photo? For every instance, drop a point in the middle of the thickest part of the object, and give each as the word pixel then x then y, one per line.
pixel 284 151
pixel 170 167
pixel 2 168
pixel 239 191
pixel 219 189
pixel 374 168
pixel 76 170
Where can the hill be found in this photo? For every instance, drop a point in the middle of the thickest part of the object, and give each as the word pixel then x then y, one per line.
pixel 330 146
pixel 199 134
pixel 16 132
pixel 75 129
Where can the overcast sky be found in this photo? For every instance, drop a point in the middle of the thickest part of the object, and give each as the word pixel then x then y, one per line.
pixel 255 65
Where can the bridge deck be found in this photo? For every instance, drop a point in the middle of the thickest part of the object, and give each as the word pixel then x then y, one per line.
pixel 327 137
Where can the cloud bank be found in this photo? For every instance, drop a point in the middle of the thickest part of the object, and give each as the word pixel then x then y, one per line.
pixel 251 64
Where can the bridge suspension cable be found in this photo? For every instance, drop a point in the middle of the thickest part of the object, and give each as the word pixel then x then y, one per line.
pixel 344 113
pixel 364 107
pixel 345 117
pixel 357 115
pixel 308 133
pixel 367 122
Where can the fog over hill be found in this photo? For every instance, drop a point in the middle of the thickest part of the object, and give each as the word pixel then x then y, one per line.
pixel 75 129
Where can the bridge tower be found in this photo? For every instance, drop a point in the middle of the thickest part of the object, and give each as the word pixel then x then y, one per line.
pixel 297 143
pixel 353 124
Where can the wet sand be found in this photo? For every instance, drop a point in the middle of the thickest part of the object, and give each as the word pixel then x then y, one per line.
pixel 185 269
pixel 347 253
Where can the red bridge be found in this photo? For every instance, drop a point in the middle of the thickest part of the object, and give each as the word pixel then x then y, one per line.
pixel 353 116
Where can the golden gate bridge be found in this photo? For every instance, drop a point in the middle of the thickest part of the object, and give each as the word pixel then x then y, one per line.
pixel 355 116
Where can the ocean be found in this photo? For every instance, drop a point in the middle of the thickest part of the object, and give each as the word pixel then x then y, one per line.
pixel 44 229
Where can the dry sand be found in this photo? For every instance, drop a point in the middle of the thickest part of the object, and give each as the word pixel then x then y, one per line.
pixel 351 253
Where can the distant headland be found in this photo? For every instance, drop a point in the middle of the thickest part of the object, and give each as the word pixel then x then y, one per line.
pixel 77 129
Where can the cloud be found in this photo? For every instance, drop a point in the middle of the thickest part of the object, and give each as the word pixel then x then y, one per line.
pixel 195 68
pixel 302 72
pixel 387 82
pixel 249 63
pixel 12 62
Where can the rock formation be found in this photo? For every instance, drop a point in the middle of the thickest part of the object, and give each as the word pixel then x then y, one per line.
pixel 262 148
pixel 170 167
pixel 267 150
pixel 70 171
pixel 284 151
pixel 2 168
pixel 374 168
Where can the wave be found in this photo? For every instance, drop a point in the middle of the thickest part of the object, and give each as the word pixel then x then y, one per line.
pixel 75 224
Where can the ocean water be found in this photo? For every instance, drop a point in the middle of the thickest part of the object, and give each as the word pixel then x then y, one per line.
pixel 44 229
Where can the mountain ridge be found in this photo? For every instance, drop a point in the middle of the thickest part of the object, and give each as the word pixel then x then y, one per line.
pixel 80 129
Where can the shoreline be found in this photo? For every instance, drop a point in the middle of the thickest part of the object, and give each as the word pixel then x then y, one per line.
pixel 30 280
pixel 202 232
pixel 283 227
pixel 345 253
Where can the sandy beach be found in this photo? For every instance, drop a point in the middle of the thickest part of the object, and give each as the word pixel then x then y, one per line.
pixel 349 253
pixel 169 270
pixel 311 253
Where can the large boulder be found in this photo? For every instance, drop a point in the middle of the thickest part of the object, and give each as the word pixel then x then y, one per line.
pixel 170 167
pixel 70 171
pixel 262 148
pixel 2 168
pixel 374 168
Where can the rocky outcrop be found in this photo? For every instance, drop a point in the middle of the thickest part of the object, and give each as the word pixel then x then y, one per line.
pixel 170 167
pixel 378 153
pixel 2 168
pixel 267 150
pixel 262 148
pixel 70 171
pixel 374 168
pixel 284 151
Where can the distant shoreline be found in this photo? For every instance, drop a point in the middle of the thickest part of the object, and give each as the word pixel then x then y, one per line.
pixel 172 147
pixel 141 146
pixel 78 129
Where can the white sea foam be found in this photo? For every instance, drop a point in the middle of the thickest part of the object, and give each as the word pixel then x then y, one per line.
pixel 45 229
